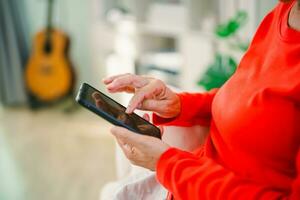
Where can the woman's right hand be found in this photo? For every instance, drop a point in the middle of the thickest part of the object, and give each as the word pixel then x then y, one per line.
pixel 149 94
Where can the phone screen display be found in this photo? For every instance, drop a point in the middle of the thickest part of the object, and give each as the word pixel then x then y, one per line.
pixel 104 104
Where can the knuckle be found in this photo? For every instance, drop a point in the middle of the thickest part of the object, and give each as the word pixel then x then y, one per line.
pixel 133 151
pixel 130 79
pixel 136 81
pixel 140 81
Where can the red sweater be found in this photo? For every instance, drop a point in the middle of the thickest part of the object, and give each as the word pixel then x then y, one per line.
pixel 253 149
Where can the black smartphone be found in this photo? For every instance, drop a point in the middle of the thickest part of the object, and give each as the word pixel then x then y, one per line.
pixel 114 112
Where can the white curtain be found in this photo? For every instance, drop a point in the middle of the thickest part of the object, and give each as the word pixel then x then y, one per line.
pixel 13 52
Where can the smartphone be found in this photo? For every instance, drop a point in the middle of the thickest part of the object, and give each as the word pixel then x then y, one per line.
pixel 112 111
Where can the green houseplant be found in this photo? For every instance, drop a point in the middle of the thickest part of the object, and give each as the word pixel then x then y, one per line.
pixel 223 65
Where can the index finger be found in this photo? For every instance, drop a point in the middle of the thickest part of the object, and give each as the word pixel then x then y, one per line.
pixel 127 80
pixel 139 97
pixel 108 80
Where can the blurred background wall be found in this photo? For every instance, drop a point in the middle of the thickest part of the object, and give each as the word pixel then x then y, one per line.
pixel 60 151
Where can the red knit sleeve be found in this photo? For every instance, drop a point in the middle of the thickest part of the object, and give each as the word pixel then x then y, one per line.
pixel 189 177
pixel 195 110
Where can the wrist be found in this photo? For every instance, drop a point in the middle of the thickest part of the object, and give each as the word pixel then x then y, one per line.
pixel 174 105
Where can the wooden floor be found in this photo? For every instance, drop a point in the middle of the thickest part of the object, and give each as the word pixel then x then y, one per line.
pixel 52 155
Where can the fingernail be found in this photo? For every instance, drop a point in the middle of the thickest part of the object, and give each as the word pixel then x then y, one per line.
pixel 128 110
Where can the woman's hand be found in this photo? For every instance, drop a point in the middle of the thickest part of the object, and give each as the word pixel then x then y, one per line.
pixel 149 94
pixel 141 150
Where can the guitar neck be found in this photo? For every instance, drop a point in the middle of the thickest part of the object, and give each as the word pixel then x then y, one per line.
pixel 49 15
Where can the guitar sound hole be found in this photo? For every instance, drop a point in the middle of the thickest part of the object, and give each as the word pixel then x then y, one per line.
pixel 48 47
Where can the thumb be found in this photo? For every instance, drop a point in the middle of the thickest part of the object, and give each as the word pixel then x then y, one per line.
pixel 162 130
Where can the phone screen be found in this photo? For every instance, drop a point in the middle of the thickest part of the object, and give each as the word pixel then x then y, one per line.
pixel 105 104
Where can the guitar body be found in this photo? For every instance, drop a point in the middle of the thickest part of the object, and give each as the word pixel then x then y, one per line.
pixel 49 75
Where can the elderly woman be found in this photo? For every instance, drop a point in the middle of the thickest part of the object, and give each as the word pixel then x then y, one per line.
pixel 252 151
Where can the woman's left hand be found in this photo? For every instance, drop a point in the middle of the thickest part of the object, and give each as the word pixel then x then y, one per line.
pixel 141 150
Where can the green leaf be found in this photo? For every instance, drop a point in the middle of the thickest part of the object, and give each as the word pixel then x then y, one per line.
pixel 218 72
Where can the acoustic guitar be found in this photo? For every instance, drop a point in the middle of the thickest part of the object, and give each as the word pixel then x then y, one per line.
pixel 49 75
